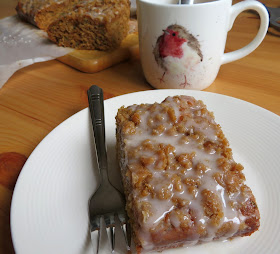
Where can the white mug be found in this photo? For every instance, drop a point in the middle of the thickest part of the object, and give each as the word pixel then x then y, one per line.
pixel 182 46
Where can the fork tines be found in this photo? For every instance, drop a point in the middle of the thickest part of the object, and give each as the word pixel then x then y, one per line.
pixel 112 227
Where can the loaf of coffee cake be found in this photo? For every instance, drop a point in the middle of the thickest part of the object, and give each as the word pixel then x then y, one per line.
pixel 80 24
pixel 181 183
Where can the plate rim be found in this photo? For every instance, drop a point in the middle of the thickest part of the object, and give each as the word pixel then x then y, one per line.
pixel 163 91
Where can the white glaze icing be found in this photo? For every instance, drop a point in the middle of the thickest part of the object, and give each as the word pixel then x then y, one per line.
pixel 207 128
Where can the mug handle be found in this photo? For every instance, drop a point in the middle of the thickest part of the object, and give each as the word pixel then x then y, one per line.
pixel 246 50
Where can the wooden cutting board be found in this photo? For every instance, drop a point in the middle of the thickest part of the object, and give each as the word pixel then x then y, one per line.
pixel 92 61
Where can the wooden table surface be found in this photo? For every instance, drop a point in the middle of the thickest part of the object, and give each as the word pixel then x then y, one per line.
pixel 39 97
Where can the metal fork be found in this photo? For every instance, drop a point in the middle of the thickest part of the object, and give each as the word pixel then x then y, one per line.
pixel 107 204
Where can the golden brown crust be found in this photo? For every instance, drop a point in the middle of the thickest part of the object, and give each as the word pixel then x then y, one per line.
pixel 31 10
pixel 26 16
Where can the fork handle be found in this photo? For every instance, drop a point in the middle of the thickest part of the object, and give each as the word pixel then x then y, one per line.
pixel 96 107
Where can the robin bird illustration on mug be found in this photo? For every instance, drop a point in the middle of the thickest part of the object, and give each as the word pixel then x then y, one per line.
pixel 177 51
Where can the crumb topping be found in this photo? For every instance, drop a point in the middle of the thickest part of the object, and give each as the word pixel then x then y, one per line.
pixel 182 173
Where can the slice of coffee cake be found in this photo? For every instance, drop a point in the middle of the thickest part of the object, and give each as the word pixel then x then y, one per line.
pixel 181 183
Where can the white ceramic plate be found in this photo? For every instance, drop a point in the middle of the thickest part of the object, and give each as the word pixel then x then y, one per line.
pixel 49 206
